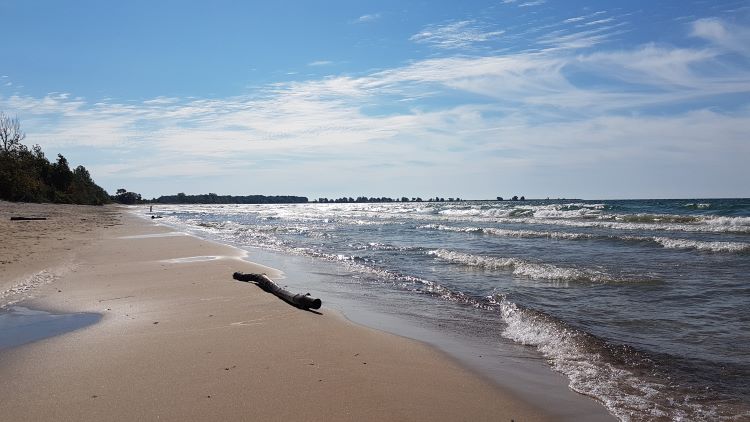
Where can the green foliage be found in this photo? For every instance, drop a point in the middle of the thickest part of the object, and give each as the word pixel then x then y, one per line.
pixel 127 198
pixel 27 176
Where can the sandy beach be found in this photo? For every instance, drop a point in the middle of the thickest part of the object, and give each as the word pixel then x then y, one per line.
pixel 179 339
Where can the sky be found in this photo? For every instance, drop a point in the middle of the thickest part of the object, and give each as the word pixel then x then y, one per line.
pixel 475 99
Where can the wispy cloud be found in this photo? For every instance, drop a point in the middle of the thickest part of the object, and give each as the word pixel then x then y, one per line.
pixel 532 3
pixel 584 17
pixel 727 36
pixel 367 18
pixel 599 21
pixel 457 35
pixel 525 3
pixel 579 39
pixel 320 63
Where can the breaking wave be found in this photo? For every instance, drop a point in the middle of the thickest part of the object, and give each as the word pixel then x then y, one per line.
pixel 508 233
pixel 612 374
pixel 520 267
pixel 734 247
pixel 666 242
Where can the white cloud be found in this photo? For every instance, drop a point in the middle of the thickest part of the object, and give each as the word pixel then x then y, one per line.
pixel 661 67
pixel 162 100
pixel 600 21
pixel 581 39
pixel 367 18
pixel 729 37
pixel 320 63
pixel 456 35
pixel 525 4
pixel 584 17
pixel 518 111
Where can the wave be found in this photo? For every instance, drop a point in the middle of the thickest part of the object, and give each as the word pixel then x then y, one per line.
pixel 704 224
pixel 572 210
pixel 630 222
pixel 666 242
pixel 520 267
pixel 368 266
pixel 652 218
pixel 698 205
pixel 591 365
pixel 508 233
pixel 733 247
pixel 378 246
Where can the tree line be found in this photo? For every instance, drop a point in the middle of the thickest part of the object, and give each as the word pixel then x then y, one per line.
pixel 212 198
pixel 26 175
pixel 364 199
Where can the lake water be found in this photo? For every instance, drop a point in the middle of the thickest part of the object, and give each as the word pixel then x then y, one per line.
pixel 642 305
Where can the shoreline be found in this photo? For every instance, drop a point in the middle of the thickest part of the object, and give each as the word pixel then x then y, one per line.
pixel 180 340
pixel 511 366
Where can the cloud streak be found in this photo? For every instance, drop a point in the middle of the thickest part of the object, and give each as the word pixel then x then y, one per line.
pixel 456 35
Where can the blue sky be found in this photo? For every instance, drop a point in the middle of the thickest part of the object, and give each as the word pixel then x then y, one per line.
pixel 477 99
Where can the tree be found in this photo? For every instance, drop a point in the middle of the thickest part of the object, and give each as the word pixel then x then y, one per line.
pixel 11 134
pixel 27 175
pixel 61 174
pixel 127 198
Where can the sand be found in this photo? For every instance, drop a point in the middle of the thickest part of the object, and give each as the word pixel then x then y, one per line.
pixel 179 339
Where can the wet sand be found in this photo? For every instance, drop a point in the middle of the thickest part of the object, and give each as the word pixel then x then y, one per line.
pixel 179 339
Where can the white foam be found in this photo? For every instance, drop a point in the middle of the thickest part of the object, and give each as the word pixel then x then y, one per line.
pixel 708 225
pixel 698 205
pixel 702 245
pixel 520 267
pixel 24 288
pixel 509 233
pixel 569 352
pixel 665 242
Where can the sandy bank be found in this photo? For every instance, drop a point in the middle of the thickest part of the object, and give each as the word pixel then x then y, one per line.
pixel 180 340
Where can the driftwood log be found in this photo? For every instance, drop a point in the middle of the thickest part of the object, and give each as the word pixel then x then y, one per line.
pixel 303 301
pixel 27 218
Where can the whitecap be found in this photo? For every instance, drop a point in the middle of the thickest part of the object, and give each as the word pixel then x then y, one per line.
pixel 520 267
pixel 582 358
pixel 702 245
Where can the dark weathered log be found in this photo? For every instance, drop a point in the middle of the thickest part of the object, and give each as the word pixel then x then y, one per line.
pixel 27 218
pixel 299 300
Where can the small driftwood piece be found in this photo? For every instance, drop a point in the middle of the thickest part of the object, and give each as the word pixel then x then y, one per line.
pixel 303 301
pixel 27 218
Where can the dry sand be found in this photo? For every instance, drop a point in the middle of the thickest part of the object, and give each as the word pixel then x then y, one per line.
pixel 181 340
